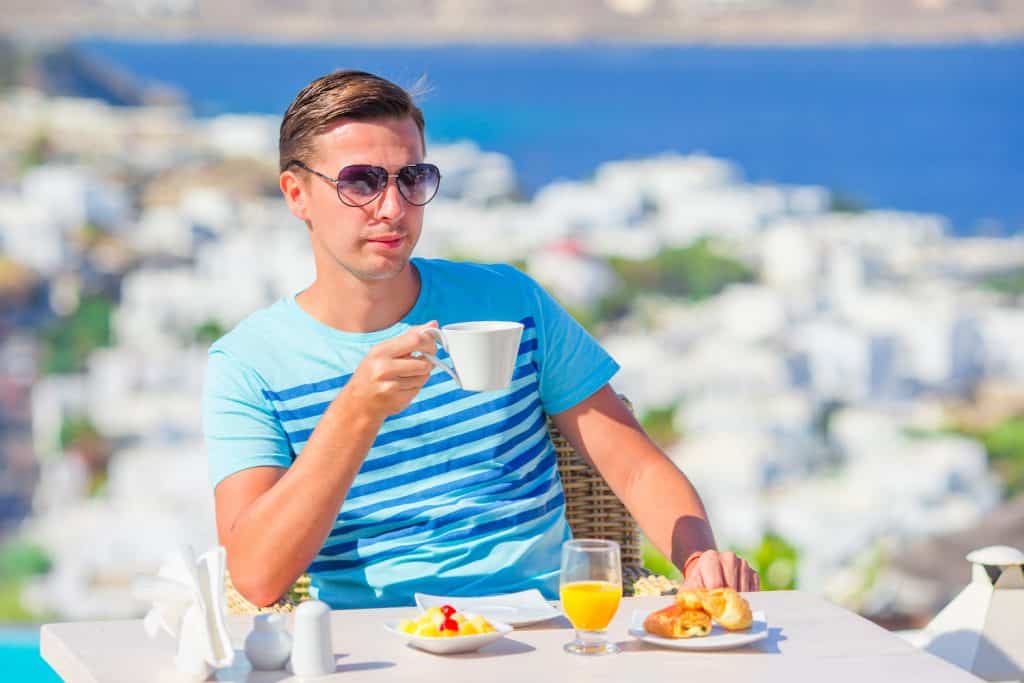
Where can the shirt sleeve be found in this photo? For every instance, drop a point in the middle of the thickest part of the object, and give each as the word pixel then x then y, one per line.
pixel 240 426
pixel 573 365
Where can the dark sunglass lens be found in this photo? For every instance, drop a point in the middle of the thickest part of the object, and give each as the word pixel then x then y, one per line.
pixel 419 183
pixel 360 183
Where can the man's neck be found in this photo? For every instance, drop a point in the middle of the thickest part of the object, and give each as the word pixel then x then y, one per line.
pixel 352 305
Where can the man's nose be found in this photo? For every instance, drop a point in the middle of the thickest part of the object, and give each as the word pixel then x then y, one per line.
pixel 391 203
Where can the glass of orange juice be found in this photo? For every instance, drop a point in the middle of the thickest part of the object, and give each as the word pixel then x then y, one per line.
pixel 591 588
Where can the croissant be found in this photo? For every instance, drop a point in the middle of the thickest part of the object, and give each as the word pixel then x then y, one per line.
pixel 690 599
pixel 728 608
pixel 675 621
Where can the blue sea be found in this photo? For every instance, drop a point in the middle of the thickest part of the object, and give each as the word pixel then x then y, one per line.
pixel 922 128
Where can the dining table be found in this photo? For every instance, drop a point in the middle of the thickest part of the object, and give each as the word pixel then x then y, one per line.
pixel 808 639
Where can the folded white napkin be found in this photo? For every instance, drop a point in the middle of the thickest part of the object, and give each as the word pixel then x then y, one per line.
pixel 188 604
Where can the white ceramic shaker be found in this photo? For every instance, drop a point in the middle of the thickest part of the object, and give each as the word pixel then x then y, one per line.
pixel 269 644
pixel 313 652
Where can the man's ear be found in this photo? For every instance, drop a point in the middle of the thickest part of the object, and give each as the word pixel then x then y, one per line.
pixel 296 195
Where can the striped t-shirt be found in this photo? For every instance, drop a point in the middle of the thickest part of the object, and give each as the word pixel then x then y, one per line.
pixel 459 494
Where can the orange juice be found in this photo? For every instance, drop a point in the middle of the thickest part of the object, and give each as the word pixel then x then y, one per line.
pixel 590 605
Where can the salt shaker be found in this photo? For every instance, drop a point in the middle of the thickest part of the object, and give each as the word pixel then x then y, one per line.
pixel 269 644
pixel 312 652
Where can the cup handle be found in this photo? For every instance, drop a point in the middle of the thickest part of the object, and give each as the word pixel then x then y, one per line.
pixel 438 338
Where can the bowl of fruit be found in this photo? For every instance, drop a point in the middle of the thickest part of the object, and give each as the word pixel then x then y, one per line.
pixel 444 631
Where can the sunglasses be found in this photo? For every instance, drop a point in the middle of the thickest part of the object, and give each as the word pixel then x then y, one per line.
pixel 360 184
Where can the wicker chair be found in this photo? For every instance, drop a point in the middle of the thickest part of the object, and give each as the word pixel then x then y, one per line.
pixel 591 509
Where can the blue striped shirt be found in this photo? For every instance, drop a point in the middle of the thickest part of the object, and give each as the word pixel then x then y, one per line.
pixel 459 494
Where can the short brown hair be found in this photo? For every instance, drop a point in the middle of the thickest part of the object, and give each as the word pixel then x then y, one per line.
pixel 348 94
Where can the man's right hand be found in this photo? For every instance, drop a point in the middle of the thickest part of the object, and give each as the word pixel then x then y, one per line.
pixel 389 377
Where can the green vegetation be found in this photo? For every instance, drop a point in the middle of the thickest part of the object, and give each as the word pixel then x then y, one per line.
pixel 695 272
pixel 657 422
pixel 80 435
pixel 19 561
pixel 776 560
pixel 208 332
pixel 1005 446
pixel 1010 282
pixel 656 562
pixel 75 431
pixel 68 343
pixel 840 202
pixel 38 151
pixel 1003 442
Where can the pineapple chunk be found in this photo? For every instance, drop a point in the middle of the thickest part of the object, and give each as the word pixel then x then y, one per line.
pixel 428 631
pixel 480 624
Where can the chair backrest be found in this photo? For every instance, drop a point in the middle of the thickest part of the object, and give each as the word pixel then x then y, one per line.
pixel 591 508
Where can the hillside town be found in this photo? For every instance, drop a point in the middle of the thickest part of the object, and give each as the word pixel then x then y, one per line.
pixel 439 21
pixel 825 374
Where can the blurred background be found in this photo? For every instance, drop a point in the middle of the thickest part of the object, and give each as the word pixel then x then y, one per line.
pixel 797 224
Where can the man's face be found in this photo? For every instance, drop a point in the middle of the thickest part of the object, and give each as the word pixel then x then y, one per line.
pixel 375 241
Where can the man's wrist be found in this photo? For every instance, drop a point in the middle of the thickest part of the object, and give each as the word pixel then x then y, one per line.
pixel 690 561
pixel 359 415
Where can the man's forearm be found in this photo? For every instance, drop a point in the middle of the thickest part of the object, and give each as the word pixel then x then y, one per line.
pixel 273 540
pixel 657 494
pixel 668 509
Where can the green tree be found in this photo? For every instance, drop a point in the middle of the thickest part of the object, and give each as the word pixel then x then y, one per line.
pixel 775 560
pixel 80 436
pixel 658 423
pixel 19 561
pixel 695 272
pixel 1005 446
pixel 208 332
pixel 1010 282
pixel 840 202
pixel 656 562
pixel 38 151
pixel 68 343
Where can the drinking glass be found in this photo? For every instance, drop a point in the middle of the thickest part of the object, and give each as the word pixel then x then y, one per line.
pixel 591 588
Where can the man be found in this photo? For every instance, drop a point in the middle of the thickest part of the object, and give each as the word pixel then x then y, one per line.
pixel 335 450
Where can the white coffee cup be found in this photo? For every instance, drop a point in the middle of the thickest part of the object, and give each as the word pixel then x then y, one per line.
pixel 483 353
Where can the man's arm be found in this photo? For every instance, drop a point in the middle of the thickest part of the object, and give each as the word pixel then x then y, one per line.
pixel 272 521
pixel 655 492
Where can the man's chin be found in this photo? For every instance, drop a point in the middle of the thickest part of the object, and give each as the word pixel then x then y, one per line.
pixel 377 273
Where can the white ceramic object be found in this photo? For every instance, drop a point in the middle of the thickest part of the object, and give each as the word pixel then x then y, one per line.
pixel 269 644
pixel 188 604
pixel 980 629
pixel 515 609
pixel 996 556
pixel 718 639
pixel 454 644
pixel 483 353
pixel 312 649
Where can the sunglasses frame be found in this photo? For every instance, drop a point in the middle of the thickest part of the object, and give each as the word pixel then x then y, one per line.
pixel 337 181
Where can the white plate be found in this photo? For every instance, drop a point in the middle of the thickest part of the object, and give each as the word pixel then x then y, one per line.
pixel 718 639
pixel 517 609
pixel 453 645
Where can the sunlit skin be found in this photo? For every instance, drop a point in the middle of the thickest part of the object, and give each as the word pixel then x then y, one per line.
pixel 363 278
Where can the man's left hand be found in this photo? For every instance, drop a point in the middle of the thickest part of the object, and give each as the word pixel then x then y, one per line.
pixel 713 569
